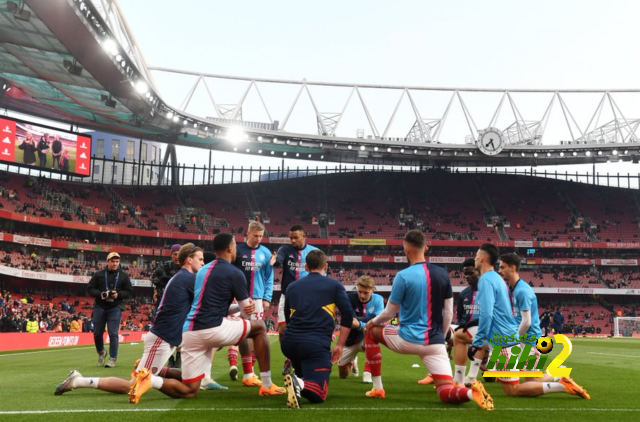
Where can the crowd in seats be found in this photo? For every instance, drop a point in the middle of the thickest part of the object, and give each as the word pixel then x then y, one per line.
pixel 60 311
pixel 370 205
pixel 60 265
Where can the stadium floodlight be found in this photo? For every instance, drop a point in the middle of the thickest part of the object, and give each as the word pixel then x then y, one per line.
pixel 176 118
pixel 455 152
pixel 275 140
pixel 288 141
pixel 441 152
pixel 169 115
pixel 375 149
pixel 142 87
pixel 588 153
pixel 626 151
pixel 401 150
pixel 429 152
pixel 599 152
pixel 548 154
pixel 614 152
pixel 297 154
pixel 259 151
pixel 248 150
pixel 185 122
pixel 350 147
pixel 362 148
pixel 195 125
pixel 574 153
pixel 322 157
pixel 388 149
pixel 470 153
pixel 561 154
pixel 309 156
pixel 235 134
pixel 320 144
pixel 335 145
pixel 259 138
pixel 235 149
pixel 273 152
pixel 284 153
pixel 300 143
pixel 206 128
pixel 535 155
pixel 110 47
pixel 415 151
pixel 522 154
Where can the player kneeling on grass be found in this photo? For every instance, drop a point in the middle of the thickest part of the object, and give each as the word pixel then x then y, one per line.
pixel 163 338
pixel 423 296
pixel 310 312
pixel 208 326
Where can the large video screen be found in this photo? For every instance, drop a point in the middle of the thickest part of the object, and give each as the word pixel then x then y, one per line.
pixel 41 147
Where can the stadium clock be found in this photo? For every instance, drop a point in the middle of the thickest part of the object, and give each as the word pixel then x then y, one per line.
pixel 490 141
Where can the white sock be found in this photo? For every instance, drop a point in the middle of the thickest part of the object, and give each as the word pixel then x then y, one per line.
pixel 84 382
pixel 556 379
pixel 249 375
pixel 266 379
pixel 458 376
pixel 553 387
pixel 206 380
pixel 156 382
pixel 300 382
pixel 377 382
pixel 474 367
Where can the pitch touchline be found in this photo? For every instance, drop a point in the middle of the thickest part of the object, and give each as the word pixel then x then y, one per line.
pixel 46 351
pixel 613 354
pixel 315 409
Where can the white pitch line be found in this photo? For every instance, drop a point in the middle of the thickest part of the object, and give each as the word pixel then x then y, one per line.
pixel 313 409
pixel 46 351
pixel 613 354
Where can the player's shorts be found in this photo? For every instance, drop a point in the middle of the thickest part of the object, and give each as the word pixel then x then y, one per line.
pixel 533 352
pixel 198 345
pixel 434 356
pixel 349 353
pixel 258 314
pixel 281 319
pixel 506 351
pixel 156 353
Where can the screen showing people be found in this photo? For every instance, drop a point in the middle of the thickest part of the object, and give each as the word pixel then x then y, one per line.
pixel 44 148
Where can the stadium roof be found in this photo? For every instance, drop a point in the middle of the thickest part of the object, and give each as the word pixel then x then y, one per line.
pixel 75 61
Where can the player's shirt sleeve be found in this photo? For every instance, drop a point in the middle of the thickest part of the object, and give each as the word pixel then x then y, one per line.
pixel 280 257
pixel 344 305
pixel 239 285
pixel 486 300
pixel 397 289
pixel 460 308
pixel 268 279
pixel 523 299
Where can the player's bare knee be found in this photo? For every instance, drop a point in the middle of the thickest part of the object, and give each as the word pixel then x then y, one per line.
pixel 257 327
pixel 510 389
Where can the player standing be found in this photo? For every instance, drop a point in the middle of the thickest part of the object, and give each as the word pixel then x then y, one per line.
pixel 292 258
pixel 254 260
pixel 423 296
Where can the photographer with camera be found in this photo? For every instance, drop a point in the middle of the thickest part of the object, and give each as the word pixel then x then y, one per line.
pixel 110 287
pixel 161 276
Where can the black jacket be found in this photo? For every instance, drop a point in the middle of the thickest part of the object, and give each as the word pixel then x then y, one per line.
pixel 29 152
pixel 97 285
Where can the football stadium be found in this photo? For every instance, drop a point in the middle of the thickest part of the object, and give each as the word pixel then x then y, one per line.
pixel 198 232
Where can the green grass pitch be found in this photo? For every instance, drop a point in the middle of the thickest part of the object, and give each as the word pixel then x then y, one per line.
pixel 19 159
pixel 608 369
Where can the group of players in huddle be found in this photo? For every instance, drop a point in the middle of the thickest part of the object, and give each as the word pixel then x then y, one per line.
pixel 207 306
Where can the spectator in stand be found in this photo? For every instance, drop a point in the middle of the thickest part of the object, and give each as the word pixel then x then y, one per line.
pixel 110 288
pixel 33 325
